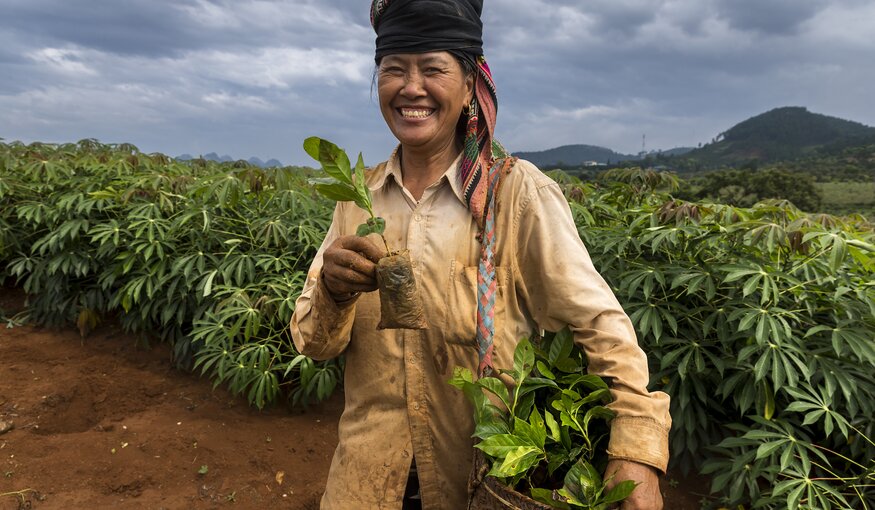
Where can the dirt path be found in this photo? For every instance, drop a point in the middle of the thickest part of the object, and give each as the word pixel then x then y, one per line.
pixel 104 423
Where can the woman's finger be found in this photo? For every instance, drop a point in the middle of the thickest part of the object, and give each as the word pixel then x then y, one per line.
pixel 339 285
pixel 363 246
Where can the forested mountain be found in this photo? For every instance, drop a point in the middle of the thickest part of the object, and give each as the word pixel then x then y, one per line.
pixel 782 134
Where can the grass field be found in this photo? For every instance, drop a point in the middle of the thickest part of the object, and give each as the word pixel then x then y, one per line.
pixel 848 197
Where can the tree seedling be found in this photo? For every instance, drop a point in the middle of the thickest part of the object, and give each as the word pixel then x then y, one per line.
pixel 345 183
pixel 400 303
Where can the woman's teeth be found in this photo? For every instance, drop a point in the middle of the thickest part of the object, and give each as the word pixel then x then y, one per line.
pixel 411 113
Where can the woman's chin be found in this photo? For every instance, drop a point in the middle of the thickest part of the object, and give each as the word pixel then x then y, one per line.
pixel 415 137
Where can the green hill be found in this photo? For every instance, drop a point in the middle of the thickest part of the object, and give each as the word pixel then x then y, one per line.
pixel 781 134
pixel 573 155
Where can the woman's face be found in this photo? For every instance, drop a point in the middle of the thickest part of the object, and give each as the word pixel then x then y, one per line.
pixel 421 97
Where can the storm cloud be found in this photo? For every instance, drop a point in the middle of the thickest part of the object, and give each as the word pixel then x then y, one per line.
pixel 254 78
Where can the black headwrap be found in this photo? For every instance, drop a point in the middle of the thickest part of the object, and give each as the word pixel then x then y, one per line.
pixel 421 26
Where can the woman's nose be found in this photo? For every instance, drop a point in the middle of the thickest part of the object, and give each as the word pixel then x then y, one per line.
pixel 414 85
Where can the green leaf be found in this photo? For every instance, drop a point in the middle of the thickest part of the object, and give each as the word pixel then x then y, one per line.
pixel 552 426
pixel 333 159
pixel 537 429
pixel 490 425
pixel 583 481
pixel 208 283
pixel 363 230
pixel 360 181
pixel 561 346
pixel 378 225
pixel 589 381
pixel 619 492
pixel 531 384
pixel 337 191
pixel 500 445
pixel 767 449
pixel 524 357
pixel 546 496
pixel 461 375
pixel 496 386
pixel 517 461
pixel 544 370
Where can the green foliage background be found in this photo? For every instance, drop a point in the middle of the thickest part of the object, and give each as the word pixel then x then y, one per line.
pixel 209 257
pixel 760 324
pixel 759 321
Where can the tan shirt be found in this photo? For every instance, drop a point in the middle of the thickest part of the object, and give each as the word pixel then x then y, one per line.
pixel 398 402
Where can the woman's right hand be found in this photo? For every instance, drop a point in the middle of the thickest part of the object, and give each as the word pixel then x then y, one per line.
pixel 349 267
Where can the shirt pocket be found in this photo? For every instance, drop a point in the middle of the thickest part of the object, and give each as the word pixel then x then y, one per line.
pixel 460 313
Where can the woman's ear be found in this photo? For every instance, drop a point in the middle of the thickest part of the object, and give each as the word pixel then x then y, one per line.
pixel 469 87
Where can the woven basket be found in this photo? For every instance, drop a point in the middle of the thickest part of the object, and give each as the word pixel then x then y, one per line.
pixel 487 493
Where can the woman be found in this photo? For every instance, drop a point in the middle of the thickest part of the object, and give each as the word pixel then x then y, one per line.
pixel 493 264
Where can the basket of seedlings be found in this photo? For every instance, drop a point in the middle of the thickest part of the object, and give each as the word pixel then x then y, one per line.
pixel 400 303
pixel 542 428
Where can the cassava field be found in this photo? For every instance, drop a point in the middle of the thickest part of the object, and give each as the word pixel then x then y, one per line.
pixel 759 322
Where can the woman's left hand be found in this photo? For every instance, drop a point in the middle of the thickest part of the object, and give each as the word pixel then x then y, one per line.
pixel 646 495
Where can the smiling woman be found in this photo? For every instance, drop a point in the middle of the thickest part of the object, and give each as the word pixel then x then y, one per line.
pixel 422 97
pixel 496 256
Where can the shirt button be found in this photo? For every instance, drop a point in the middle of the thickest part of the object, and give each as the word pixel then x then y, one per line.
pixel 417 217
pixel 416 405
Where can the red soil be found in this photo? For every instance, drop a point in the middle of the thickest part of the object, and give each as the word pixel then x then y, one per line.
pixel 106 423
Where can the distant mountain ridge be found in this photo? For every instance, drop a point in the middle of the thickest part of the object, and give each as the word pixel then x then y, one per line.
pixel 573 155
pixel 581 155
pixel 212 156
pixel 781 134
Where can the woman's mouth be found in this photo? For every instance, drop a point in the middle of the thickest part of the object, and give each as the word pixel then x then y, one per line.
pixel 416 113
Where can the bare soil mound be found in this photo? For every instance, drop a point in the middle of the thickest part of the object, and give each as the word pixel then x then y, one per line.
pixel 105 423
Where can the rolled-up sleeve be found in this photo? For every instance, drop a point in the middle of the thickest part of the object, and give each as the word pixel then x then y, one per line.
pixel 320 327
pixel 559 285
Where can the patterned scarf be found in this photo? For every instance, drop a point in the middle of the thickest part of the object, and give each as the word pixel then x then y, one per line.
pixel 483 163
pixel 480 149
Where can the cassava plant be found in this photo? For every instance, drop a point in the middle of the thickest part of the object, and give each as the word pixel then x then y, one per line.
pixel 400 303
pixel 206 256
pixel 760 324
pixel 543 431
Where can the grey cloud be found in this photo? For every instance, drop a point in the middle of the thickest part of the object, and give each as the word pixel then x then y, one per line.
pixel 776 17
pixel 255 78
pixel 166 29
pixel 138 27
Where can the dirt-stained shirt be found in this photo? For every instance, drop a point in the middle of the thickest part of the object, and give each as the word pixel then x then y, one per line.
pixel 398 404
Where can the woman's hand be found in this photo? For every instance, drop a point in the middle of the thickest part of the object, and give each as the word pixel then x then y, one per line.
pixel 349 267
pixel 646 495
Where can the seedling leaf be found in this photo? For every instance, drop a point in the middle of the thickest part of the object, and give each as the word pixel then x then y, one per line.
pixel 333 159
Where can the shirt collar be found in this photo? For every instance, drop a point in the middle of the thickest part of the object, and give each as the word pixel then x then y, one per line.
pixel 392 170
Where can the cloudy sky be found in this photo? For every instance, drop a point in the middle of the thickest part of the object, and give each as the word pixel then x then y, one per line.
pixel 256 77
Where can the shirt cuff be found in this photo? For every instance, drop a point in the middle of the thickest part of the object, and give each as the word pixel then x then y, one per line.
pixel 639 439
pixel 331 321
pixel 323 300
